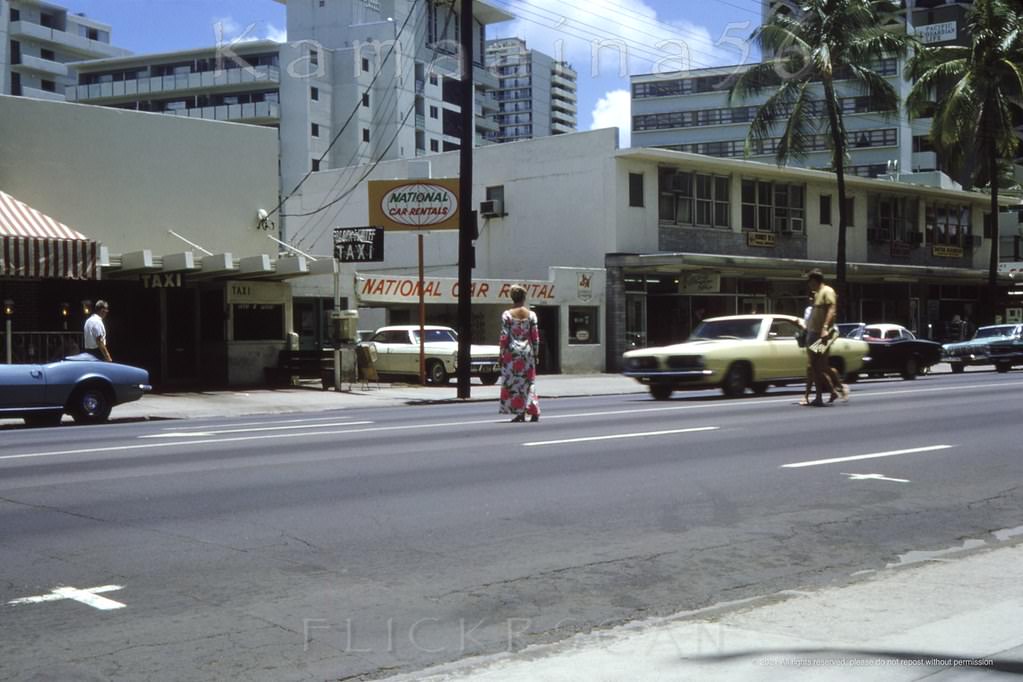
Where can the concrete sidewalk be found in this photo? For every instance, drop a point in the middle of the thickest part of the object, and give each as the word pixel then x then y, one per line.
pixel 954 615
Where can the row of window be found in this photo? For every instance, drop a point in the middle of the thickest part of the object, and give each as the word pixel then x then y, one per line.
pixel 745 114
pixel 883 137
pixel 689 86
pixel 180 68
pixel 200 101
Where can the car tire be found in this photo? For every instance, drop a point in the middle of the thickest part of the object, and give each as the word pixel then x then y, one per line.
pixel 759 387
pixel 661 391
pixel 910 368
pixel 489 379
pixel 735 382
pixel 90 404
pixel 45 419
pixel 436 373
pixel 1003 367
pixel 957 367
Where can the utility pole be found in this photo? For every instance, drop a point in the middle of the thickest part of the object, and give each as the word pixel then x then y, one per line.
pixel 465 236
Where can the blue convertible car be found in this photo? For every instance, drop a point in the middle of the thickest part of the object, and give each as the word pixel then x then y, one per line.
pixel 80 385
pixel 1000 345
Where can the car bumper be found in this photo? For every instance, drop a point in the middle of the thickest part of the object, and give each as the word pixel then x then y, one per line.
pixel 677 378
pixel 478 367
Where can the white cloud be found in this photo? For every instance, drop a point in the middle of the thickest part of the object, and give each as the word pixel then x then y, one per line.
pixel 621 37
pixel 614 110
pixel 229 30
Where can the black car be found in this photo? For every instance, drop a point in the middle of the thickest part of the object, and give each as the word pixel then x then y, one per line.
pixel 895 350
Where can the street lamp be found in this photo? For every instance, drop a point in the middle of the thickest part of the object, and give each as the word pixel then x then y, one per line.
pixel 86 308
pixel 65 313
pixel 8 315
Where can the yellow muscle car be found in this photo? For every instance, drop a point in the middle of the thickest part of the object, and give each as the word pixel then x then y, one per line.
pixel 736 353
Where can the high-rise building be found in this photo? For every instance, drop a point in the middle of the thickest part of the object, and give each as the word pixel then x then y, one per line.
pixel 358 81
pixel 536 95
pixel 38 39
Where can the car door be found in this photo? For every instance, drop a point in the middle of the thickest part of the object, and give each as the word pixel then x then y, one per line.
pixel 382 342
pixel 22 386
pixel 784 358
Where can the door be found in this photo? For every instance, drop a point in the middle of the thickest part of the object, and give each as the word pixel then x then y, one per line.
pixel 784 358
pixel 22 386
pixel 181 337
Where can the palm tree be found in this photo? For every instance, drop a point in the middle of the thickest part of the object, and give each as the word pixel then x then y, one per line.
pixel 807 46
pixel 980 86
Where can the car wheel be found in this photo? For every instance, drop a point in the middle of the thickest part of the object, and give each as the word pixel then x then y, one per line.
pixel 957 367
pixel 46 419
pixel 759 387
pixel 436 373
pixel 910 368
pixel 489 379
pixel 735 382
pixel 1003 367
pixel 90 404
pixel 661 391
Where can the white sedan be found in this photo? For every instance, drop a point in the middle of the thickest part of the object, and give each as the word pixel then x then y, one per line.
pixel 397 352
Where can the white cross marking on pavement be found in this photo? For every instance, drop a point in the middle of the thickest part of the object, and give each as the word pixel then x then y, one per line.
pixel 90 597
pixel 875 477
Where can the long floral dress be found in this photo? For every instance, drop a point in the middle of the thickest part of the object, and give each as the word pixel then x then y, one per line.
pixel 520 346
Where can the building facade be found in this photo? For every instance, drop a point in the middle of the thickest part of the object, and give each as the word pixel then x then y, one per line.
pixel 676 236
pixel 39 39
pixel 536 95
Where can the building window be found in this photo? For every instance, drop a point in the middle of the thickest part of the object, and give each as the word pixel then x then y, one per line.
pixel 365 134
pixel 434 146
pixel 48 54
pixel 850 211
pixel 583 327
pixel 258 322
pixel 48 86
pixel 693 198
pixel 15 14
pixel 948 224
pixel 825 205
pixel 773 206
pixel 314 57
pixel 891 218
pixel 433 79
pixel 316 165
pixel 434 112
pixel 315 129
pixel 365 64
pixel 314 94
pixel 636 189
pixel 365 99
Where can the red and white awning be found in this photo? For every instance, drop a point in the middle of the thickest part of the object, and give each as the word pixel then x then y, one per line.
pixel 35 246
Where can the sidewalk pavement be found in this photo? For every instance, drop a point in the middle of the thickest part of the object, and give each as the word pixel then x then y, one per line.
pixel 953 615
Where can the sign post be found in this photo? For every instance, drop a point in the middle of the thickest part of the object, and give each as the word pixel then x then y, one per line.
pixel 351 245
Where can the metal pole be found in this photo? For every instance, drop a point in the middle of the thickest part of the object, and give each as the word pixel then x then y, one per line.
pixel 337 327
pixel 422 317
pixel 465 247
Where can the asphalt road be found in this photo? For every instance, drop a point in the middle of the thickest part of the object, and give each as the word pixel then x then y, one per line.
pixel 359 542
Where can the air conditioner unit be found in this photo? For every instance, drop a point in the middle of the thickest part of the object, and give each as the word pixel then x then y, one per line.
pixel 796 226
pixel 491 208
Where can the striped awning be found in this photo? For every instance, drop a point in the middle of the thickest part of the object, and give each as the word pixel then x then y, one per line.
pixel 35 246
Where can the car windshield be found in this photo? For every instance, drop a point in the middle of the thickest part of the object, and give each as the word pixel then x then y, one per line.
pixel 727 329
pixel 1000 330
pixel 437 335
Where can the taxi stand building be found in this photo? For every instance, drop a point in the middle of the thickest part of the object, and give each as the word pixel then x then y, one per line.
pixel 675 236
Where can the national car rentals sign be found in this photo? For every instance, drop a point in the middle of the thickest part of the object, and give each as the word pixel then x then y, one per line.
pixel 397 289
pixel 414 204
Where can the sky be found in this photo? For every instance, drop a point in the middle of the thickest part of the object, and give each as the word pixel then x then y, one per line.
pixel 604 40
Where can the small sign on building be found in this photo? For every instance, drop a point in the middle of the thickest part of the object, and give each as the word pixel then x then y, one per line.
pixel 359 244
pixel 936 33
pixel 946 251
pixel 414 204
pixel 761 239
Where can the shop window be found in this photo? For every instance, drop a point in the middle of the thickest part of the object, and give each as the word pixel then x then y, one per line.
pixel 258 321
pixel 583 325
pixel 636 189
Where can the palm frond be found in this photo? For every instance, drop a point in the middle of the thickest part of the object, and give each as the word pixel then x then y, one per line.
pixel 795 142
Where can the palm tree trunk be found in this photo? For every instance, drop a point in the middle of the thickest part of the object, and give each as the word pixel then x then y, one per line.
pixel 992 275
pixel 838 143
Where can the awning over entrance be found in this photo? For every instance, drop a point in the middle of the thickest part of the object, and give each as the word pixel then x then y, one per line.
pixel 35 246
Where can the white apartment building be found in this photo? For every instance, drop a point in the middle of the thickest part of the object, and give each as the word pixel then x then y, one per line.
pixel 357 82
pixel 537 93
pixel 38 39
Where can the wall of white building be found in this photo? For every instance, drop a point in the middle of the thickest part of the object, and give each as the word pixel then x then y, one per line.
pixel 146 174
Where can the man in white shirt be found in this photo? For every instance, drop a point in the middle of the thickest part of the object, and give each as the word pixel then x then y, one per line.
pixel 96 332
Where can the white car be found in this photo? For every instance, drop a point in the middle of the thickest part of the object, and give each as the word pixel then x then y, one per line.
pixel 396 350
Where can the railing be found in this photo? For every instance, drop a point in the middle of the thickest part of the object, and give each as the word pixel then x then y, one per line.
pixel 40 347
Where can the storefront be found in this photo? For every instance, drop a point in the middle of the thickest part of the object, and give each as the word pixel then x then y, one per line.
pixel 569 306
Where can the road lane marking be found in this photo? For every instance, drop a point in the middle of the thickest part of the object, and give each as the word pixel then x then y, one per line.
pixel 645 434
pixel 89 597
pixel 206 427
pixel 873 455
pixel 874 477
pixel 195 434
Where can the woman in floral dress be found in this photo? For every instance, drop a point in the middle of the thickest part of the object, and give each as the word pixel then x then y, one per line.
pixel 520 346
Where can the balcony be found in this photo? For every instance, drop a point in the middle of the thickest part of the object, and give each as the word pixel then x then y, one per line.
pixel 485 123
pixel 92 49
pixel 259 113
pixel 558 127
pixel 558 80
pixel 36 93
pixel 564 105
pixel 223 80
pixel 38 65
